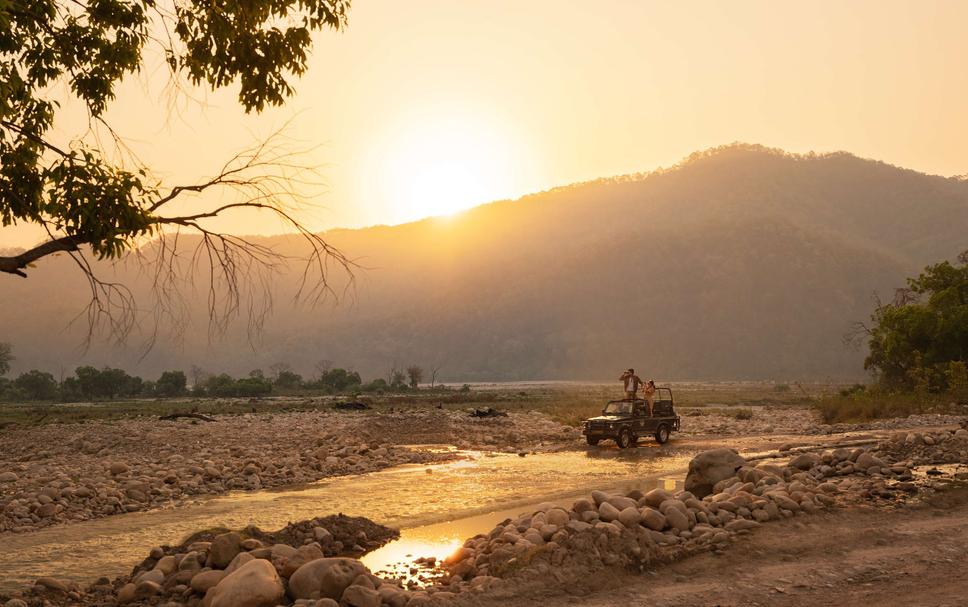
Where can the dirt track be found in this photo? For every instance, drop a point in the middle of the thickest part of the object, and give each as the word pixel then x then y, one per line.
pixel 911 556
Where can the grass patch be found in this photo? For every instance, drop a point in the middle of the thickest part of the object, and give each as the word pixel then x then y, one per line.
pixel 855 406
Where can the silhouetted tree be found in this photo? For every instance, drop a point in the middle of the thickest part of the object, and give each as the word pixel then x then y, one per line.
pixel 288 379
pixel 171 383
pixel 106 203
pixel 277 369
pixel 338 380
pixel 415 375
pixel 36 385
pixel 6 356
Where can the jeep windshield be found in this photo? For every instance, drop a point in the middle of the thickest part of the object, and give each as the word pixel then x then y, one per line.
pixel 618 408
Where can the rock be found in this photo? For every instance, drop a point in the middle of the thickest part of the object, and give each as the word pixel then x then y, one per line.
pixel 652 518
pixel 155 575
pixel 224 548
pixel 50 583
pixel 608 512
pixel 324 578
pixel 710 467
pixel 577 526
pixel 740 524
pixel 360 596
pixel 8 477
pixel 657 496
pixel 47 510
pixel 126 594
pixel 255 584
pixel 15 603
pixel 166 565
pixel 117 468
pixel 805 461
pixel 146 589
pixel 865 460
pixel 621 502
pixel 204 580
pixel 304 554
pixel 394 596
pixel 557 516
pixel 629 517
pixel 677 519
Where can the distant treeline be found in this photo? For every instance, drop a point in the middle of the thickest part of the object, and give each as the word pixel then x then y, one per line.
pixel 90 383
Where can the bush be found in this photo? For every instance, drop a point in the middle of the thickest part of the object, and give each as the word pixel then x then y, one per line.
pixel 225 386
pixel 853 390
pixel 873 403
pixel 36 385
pixel 781 388
pixel 377 385
pixel 743 414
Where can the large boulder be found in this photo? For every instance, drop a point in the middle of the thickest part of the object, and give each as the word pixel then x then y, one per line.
pixel 710 467
pixel 225 547
pixel 324 578
pixel 255 584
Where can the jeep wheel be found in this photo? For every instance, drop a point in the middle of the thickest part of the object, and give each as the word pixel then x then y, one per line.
pixel 662 434
pixel 592 440
pixel 624 439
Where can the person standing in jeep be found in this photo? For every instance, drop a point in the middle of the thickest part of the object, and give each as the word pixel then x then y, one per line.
pixel 631 382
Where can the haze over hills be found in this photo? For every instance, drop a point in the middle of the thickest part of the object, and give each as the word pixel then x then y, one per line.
pixel 740 262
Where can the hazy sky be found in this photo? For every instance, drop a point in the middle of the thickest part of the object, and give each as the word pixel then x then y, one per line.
pixel 426 106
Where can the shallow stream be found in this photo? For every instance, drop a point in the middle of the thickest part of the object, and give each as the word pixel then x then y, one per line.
pixel 436 507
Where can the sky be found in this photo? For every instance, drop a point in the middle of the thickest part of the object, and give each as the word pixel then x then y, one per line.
pixel 426 107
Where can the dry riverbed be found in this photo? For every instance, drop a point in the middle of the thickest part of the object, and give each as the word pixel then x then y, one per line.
pixel 765 508
pixel 60 473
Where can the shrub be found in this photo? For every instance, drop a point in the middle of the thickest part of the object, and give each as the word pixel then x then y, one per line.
pixel 171 383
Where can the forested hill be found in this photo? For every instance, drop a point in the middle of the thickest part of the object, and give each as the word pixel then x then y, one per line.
pixel 740 262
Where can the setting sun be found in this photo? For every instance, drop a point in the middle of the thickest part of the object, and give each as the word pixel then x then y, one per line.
pixel 444 165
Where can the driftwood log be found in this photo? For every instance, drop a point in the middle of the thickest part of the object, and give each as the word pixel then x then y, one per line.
pixel 204 418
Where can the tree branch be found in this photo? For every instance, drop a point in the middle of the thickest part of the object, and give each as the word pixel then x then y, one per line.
pixel 15 264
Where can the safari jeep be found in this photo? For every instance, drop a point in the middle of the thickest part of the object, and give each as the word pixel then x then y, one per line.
pixel 626 421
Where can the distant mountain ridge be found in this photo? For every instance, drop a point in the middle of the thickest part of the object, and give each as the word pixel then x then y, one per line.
pixel 739 262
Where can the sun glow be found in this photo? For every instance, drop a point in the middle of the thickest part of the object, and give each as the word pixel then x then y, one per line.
pixel 444 166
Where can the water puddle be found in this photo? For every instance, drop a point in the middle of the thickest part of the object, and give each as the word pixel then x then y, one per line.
pixel 411 557
pixel 412 498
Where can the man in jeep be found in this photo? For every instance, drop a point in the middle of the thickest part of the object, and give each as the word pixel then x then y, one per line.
pixel 631 382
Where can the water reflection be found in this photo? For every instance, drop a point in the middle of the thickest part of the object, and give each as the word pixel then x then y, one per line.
pixel 440 540
pixel 407 497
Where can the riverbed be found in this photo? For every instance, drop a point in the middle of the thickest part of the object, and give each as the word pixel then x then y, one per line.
pixel 435 507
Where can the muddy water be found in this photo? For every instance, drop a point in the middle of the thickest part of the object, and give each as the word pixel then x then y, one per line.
pixel 409 497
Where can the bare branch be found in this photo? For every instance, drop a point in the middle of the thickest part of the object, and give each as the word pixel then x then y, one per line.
pixel 15 264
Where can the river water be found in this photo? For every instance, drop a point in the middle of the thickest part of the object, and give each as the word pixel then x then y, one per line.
pixel 436 507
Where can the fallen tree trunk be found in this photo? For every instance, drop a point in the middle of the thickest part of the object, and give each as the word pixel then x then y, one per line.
pixel 204 418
